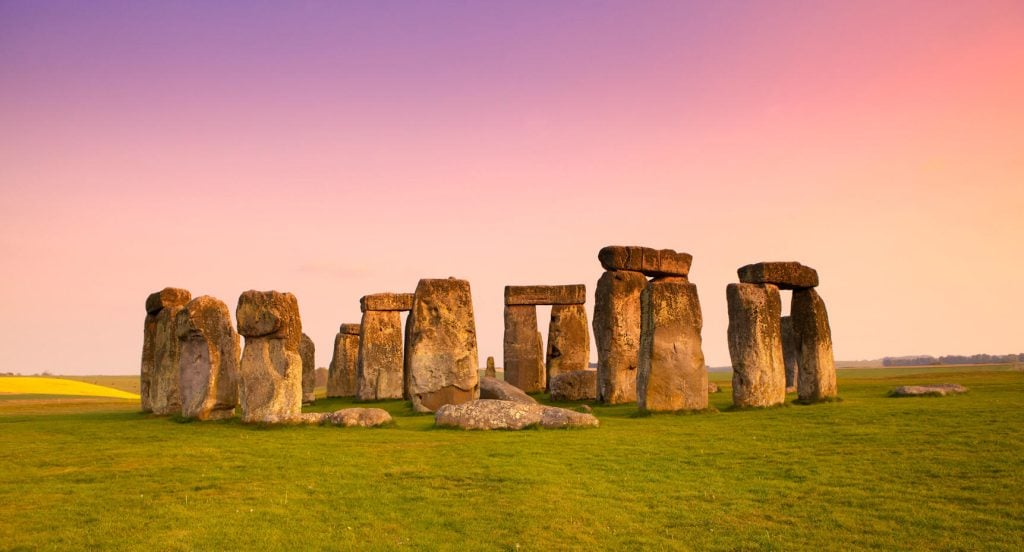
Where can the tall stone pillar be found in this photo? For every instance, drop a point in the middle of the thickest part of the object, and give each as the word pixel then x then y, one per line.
pixel 209 359
pixel 158 381
pixel 617 334
pixel 671 375
pixel 523 360
pixel 307 352
pixel 343 370
pixel 271 368
pixel 817 380
pixel 790 353
pixel 568 340
pixel 755 345
pixel 381 364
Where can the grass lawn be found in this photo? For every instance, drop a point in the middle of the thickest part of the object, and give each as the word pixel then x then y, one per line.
pixel 867 472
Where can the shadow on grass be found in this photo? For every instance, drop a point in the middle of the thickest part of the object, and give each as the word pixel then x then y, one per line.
pixel 809 402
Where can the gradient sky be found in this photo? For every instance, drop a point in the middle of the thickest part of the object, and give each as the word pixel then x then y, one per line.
pixel 335 149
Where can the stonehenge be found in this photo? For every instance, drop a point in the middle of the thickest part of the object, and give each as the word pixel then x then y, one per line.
pixel 209 359
pixel 159 377
pixel 342 372
pixel 380 372
pixel 307 352
pixel 671 374
pixel 271 368
pixel 524 362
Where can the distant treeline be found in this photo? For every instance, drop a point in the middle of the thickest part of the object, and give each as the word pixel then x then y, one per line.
pixel 926 360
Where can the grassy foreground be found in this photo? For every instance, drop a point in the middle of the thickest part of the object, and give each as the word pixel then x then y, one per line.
pixel 867 472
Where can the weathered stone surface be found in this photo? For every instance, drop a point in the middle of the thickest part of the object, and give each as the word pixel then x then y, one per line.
pixel 307 352
pixel 342 373
pixel 493 388
pixel 491 414
pixel 523 360
pixel 568 340
pixel 380 365
pixel 209 359
pixel 148 361
pixel 817 379
pixel 349 417
pixel 783 275
pixel 755 345
pixel 443 364
pixel 671 371
pixel 652 262
pixel 575 294
pixel 713 387
pixel 167 297
pixel 575 385
pixel 617 334
pixel 790 352
pixel 930 390
pixel 160 351
pixel 350 329
pixel 386 302
pixel 271 368
pixel 490 372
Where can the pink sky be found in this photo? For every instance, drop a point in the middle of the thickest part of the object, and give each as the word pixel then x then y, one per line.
pixel 339 149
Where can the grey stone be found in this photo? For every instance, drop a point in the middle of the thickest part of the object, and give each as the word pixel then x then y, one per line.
pixel 490 371
pixel 159 385
pixel 307 352
pixel 934 390
pixel 575 385
pixel 755 345
pixel 380 366
pixel 817 380
pixel 523 360
pixel 652 262
pixel 342 374
pixel 783 275
pixel 568 340
pixel 486 414
pixel 271 368
pixel 671 375
pixel 493 388
pixel 210 352
pixel 617 334
pixel 790 352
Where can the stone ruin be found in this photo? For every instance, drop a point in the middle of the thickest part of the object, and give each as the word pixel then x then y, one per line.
pixel 343 371
pixel 159 378
pixel 271 367
pixel 307 352
pixel 209 358
pixel 380 368
pixel 757 340
pixel 524 362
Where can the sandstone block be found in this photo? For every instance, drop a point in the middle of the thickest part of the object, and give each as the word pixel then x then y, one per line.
pixel 652 262
pixel 342 373
pixel 307 352
pixel 575 385
pixel 271 367
pixel 783 275
pixel 790 352
pixel 167 297
pixel 713 387
pixel 671 371
pixel 349 417
pixel 350 329
pixel 164 372
pixel 210 352
pixel 617 334
pixel 523 349
pixel 490 372
pixel 269 314
pixel 485 414
pixel 443 363
pixel 817 379
pixel 386 302
pixel 568 340
pixel 755 345
pixel 930 390
pixel 546 295
pixel 380 366
pixel 493 388
pixel 155 302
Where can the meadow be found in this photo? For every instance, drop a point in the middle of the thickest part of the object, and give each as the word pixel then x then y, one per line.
pixel 868 472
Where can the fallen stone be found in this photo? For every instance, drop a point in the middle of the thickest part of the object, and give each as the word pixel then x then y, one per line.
pixel 617 334
pixel 652 262
pixel 671 373
pixel 755 345
pixel 209 359
pixel 523 360
pixel 584 408
pixel 546 295
pixel 568 340
pixel 271 368
pixel 783 275
pixel 817 379
pixel 496 389
pixel 342 373
pixel 713 387
pixel 490 372
pixel 575 385
pixel 386 302
pixel 790 353
pixel 307 352
pixel 380 366
pixel 161 350
pixel 485 414
pixel 349 417
pixel 933 390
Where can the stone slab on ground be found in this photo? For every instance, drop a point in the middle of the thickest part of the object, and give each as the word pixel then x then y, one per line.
pixel 500 390
pixel 929 390
pixel 485 414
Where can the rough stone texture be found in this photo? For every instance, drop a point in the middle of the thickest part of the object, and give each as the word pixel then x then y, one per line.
pixel 713 387
pixel 930 390
pixel 209 359
pixel 443 364
pixel 493 388
pixel 575 294
pixel 671 371
pixel 271 368
pixel 380 365
pixel 307 352
pixel 783 275
pixel 161 351
pixel 491 414
pixel 652 262
pixel 617 334
pixel 568 340
pixel 755 345
pixel 523 360
pixel 790 353
pixel 386 302
pixel 490 372
pixel 817 379
pixel 349 417
pixel 342 373
pixel 576 385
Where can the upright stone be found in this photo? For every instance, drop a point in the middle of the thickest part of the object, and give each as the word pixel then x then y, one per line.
pixel 617 334
pixel 523 360
pixel 817 380
pixel 209 359
pixel 755 345
pixel 490 372
pixel 568 340
pixel 307 352
pixel 380 356
pixel 161 351
pixel 343 371
pixel 790 353
pixel 271 369
pixel 672 375
pixel 441 349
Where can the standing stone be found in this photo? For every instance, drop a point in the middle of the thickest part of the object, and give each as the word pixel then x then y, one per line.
pixel 160 352
pixel 380 356
pixel 672 374
pixel 490 372
pixel 575 385
pixel 523 360
pixel 790 353
pixel 271 369
pixel 568 340
pixel 755 345
pixel 209 359
pixel 343 371
pixel 307 352
pixel 441 349
pixel 817 380
pixel 617 334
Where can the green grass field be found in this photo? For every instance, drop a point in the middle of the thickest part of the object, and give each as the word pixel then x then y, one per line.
pixel 867 472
